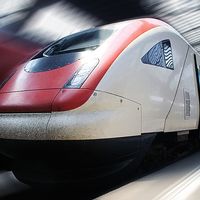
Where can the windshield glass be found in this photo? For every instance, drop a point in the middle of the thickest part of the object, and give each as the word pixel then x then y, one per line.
pixel 44 64
pixel 86 40
pixel 68 50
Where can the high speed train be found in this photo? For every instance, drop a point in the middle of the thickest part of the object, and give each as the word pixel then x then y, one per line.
pixel 95 100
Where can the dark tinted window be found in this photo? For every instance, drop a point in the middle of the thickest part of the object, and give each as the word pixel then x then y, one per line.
pixel 49 63
pixel 67 50
pixel 86 40
pixel 160 55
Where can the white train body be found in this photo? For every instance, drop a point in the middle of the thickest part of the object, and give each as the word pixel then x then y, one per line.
pixel 160 93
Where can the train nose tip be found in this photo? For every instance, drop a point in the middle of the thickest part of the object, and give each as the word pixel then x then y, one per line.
pixel 27 101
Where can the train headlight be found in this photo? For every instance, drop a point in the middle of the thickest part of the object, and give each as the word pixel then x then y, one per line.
pixel 82 74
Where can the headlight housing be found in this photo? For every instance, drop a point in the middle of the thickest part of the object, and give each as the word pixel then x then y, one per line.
pixel 82 74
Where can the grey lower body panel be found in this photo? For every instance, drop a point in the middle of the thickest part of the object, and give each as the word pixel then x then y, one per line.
pixel 29 126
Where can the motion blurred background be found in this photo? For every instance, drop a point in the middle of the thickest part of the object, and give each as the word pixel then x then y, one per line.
pixel 28 25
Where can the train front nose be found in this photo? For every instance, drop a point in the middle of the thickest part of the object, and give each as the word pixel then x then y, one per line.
pixel 38 88
pixel 27 101
pixel 35 85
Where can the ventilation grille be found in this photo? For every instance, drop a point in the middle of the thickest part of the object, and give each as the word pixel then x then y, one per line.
pixel 186 104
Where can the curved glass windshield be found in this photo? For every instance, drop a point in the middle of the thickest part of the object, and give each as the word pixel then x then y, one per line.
pixel 86 40
pixel 68 50
pixel 43 64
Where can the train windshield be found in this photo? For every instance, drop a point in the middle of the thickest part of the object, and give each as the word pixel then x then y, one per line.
pixel 68 50
pixel 87 40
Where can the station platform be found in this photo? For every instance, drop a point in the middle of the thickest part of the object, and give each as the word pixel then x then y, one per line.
pixel 178 181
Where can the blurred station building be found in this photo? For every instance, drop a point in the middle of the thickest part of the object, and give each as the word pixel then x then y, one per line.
pixel 28 25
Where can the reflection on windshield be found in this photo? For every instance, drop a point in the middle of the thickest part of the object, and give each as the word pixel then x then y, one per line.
pixel 86 40
pixel 44 64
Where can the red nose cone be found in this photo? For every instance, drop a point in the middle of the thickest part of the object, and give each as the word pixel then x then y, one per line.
pixel 34 91
pixel 53 79
pixel 27 101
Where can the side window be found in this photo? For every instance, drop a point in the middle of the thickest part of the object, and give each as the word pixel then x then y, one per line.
pixel 160 55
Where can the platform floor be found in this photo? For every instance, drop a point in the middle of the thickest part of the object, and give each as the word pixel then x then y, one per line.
pixel 178 181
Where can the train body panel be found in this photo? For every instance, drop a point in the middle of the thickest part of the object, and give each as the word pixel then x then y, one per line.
pixel 184 113
pixel 23 126
pixel 115 115
pixel 101 110
pixel 151 86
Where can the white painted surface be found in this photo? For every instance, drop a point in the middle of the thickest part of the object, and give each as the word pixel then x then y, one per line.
pixel 177 118
pixel 102 116
pixel 151 86
pixel 179 181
